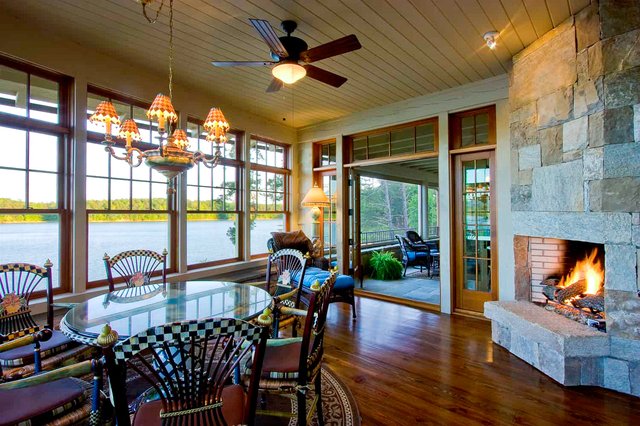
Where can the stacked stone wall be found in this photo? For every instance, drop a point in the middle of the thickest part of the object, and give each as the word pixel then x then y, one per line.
pixel 575 157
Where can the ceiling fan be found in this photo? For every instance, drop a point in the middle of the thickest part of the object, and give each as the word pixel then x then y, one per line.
pixel 292 56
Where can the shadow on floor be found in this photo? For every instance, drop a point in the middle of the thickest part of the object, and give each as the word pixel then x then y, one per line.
pixel 415 286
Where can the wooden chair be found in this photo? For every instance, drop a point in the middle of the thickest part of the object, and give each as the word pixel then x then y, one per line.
pixel 189 367
pixel 52 397
pixel 18 281
pixel 135 266
pixel 292 365
pixel 412 256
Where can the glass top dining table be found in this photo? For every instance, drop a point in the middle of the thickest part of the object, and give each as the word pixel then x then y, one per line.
pixel 132 310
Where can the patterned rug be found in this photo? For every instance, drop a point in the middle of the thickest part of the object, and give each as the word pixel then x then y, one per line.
pixel 338 405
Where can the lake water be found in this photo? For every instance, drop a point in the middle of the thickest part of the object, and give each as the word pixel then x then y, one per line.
pixel 207 241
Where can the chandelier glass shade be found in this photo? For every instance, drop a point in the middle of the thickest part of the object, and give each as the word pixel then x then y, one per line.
pixel 288 72
pixel 170 156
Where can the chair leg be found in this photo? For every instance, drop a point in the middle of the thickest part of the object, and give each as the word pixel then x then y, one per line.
pixel 404 274
pixel 352 302
pixel 318 389
pixel 302 407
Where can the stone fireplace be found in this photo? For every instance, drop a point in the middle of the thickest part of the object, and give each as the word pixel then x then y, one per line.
pixel 575 163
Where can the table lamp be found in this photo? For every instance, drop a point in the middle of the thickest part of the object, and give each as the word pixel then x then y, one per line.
pixel 315 198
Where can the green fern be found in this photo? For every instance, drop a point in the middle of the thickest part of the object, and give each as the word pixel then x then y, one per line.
pixel 384 266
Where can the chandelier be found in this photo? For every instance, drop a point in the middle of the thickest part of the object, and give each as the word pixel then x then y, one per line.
pixel 171 156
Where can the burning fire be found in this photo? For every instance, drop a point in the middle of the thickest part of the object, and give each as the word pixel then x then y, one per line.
pixel 589 269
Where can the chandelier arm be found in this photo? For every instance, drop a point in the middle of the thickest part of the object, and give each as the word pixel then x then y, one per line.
pixel 113 153
pixel 139 157
pixel 144 11
pixel 202 157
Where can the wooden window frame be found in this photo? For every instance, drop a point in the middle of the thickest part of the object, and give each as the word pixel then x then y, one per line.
pixel 455 131
pixel 171 211
pixel 387 130
pixel 284 171
pixel 240 170
pixel 62 130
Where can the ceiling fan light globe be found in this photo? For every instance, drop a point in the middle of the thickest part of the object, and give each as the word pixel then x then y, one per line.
pixel 288 72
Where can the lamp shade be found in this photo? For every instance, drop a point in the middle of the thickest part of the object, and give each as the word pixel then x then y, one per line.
pixel 105 113
pixel 180 139
pixel 211 137
pixel 315 198
pixel 288 72
pixel 163 110
pixel 129 131
pixel 215 122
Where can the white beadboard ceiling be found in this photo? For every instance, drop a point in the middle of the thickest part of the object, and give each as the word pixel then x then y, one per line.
pixel 409 47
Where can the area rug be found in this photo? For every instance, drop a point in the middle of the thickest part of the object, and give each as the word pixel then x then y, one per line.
pixel 338 405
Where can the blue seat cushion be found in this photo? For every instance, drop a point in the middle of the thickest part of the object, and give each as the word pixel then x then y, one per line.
pixel 413 255
pixel 311 274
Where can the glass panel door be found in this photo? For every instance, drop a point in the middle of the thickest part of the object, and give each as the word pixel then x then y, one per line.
pixel 475 231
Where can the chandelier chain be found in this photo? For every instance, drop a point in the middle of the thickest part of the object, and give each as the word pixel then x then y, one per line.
pixel 144 11
pixel 170 49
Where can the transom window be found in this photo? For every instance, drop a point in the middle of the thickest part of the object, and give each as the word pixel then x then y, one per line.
pixel 473 128
pixel 213 201
pixel 34 206
pixel 269 189
pixel 407 139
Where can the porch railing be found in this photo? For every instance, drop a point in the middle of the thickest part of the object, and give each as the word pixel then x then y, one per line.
pixel 387 236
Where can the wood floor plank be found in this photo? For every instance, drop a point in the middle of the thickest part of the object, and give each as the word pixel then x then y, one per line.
pixel 406 366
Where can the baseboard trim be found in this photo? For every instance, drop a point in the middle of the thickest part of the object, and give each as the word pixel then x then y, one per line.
pixel 398 300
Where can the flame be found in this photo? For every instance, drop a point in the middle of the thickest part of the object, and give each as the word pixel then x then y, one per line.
pixel 589 269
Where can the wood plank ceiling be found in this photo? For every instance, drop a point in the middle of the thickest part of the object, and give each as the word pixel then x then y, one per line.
pixel 410 47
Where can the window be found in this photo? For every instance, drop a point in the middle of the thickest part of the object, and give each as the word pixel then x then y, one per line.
pixel 127 208
pixel 324 174
pixel 34 209
pixel 411 138
pixel 269 190
pixel 213 202
pixel 473 128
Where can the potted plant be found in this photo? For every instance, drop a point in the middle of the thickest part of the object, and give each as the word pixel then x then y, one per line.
pixel 385 266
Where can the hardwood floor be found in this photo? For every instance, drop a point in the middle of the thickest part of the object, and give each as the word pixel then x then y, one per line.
pixel 406 366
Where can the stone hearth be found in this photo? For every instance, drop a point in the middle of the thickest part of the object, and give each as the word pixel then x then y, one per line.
pixel 575 150
pixel 568 352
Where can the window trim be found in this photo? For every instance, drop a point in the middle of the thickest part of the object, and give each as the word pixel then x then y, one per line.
pixel 62 130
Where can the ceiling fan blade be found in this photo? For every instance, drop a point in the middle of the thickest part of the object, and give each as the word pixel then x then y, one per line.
pixel 333 48
pixel 324 76
pixel 270 37
pixel 275 85
pixel 242 63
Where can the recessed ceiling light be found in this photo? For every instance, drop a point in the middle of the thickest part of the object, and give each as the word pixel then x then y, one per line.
pixel 490 38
